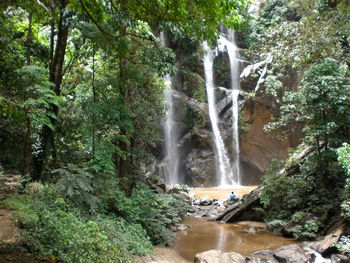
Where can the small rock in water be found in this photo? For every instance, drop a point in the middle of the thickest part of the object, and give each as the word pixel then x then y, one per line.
pixel 336 258
pixel 182 227
pixel 205 200
pixel 191 211
pixel 179 227
pixel 250 230
pixel 254 229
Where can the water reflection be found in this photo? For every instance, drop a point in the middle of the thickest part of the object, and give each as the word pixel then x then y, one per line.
pixel 204 235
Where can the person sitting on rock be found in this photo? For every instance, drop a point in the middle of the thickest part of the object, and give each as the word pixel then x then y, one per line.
pixel 232 196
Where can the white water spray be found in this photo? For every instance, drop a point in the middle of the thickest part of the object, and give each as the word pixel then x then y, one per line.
pixel 171 175
pixel 229 175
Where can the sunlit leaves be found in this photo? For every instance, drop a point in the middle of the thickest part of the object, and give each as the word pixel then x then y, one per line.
pixel 41 98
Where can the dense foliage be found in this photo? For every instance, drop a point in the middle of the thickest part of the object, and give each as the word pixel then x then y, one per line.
pixel 307 43
pixel 81 98
pixel 124 226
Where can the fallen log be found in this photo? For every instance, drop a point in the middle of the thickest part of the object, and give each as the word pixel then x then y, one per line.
pixel 243 208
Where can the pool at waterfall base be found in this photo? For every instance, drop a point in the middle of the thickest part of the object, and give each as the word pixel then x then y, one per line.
pixel 203 235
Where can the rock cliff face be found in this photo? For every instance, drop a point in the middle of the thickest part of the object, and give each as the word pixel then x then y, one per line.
pixel 257 148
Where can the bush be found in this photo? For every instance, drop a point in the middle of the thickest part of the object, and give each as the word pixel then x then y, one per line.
pixel 69 237
pixel 59 227
pixel 130 238
pixel 23 210
pixel 56 229
pixel 301 193
pixel 154 212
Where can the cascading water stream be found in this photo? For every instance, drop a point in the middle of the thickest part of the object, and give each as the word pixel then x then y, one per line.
pixel 232 51
pixel 229 174
pixel 171 175
pixel 224 169
pixel 236 151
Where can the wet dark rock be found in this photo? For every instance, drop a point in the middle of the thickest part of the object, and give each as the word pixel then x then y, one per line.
pixel 264 259
pixel 156 185
pixel 176 189
pixel 191 210
pixel 205 200
pixel 263 253
pixel 182 98
pixel 200 167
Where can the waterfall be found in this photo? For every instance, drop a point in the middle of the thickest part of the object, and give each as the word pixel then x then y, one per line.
pixel 229 174
pixel 235 116
pixel 223 167
pixel 171 174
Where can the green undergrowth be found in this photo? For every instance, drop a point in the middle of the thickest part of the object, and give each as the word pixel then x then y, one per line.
pixel 55 227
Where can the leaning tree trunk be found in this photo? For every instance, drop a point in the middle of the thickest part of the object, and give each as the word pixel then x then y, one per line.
pixel 56 68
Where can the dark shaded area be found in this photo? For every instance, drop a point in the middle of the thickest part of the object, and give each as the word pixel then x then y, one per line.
pixel 252 176
pixel 11 255
pixel 11 140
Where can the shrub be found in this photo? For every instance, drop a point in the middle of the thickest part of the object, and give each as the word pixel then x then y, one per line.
pixel 154 212
pixel 69 237
pixel 344 159
pixel 301 193
pixel 130 238
pixel 23 211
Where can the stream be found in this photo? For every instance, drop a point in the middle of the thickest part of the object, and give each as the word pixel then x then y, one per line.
pixel 203 235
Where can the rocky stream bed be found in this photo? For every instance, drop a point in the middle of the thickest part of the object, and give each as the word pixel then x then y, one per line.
pixel 220 231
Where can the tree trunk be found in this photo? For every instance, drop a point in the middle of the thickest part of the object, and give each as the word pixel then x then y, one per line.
pixel 46 134
pixel 27 154
pixel 94 97
pixel 29 39
pixel 26 157
pixel 124 146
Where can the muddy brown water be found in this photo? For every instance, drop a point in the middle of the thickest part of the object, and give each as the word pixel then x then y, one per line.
pixel 205 235
pixel 222 193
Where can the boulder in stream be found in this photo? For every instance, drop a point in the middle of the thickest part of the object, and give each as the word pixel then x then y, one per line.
pixel 337 258
pixel 216 256
pixel 205 200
